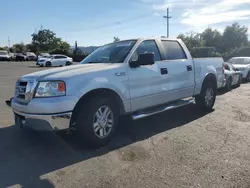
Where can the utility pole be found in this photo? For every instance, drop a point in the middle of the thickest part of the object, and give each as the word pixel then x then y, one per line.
pixel 167 18
pixel 9 41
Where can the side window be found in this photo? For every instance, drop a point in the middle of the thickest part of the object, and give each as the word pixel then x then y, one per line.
pixel 146 47
pixel 57 57
pixel 173 50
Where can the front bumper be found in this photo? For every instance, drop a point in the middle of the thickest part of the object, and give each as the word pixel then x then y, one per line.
pixel 55 122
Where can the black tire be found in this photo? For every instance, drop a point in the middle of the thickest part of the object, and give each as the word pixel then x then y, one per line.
pixel 48 64
pixel 239 81
pixel 86 117
pixel 201 101
pixel 41 65
pixel 248 77
pixel 228 86
pixel 68 63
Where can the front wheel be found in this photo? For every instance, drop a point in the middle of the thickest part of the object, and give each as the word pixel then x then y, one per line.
pixel 96 121
pixel 48 64
pixel 207 97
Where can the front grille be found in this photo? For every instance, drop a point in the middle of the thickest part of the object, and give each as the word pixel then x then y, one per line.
pixel 21 90
pixel 24 90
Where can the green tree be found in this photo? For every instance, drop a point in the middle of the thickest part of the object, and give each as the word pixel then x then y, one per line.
pixel 116 39
pixel 212 38
pixel 191 40
pixel 46 40
pixel 4 48
pixel 234 36
pixel 32 47
pixel 19 48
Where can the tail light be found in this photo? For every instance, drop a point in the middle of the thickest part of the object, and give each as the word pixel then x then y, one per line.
pixel 223 68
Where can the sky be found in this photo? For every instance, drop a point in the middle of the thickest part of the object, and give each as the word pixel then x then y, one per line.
pixel 96 22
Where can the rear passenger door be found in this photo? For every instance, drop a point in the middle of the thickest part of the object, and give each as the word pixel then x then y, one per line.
pixel 61 60
pixel 180 70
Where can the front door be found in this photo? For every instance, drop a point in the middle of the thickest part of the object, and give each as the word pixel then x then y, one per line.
pixel 180 70
pixel 148 84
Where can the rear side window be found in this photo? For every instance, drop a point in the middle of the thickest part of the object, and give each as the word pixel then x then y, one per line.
pixel 59 57
pixel 173 50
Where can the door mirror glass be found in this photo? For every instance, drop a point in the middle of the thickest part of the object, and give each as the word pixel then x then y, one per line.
pixel 143 59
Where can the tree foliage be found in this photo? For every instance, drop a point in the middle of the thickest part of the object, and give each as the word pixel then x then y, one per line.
pixel 191 40
pixel 46 41
pixel 231 40
pixel 235 36
pixel 19 48
pixel 116 39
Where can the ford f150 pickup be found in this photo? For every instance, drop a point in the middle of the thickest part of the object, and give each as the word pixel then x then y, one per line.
pixel 138 77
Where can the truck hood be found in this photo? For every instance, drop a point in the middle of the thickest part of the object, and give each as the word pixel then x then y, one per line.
pixel 68 72
pixel 241 66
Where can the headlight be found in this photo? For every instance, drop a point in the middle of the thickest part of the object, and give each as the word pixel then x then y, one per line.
pixel 51 89
pixel 42 60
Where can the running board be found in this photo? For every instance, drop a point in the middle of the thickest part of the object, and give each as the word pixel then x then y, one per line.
pixel 156 110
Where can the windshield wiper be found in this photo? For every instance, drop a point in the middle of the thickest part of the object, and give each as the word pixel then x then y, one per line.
pixel 94 62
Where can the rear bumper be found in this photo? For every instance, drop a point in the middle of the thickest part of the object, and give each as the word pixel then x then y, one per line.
pixel 48 122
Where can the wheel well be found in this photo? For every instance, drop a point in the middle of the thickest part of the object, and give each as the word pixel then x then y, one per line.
pixel 97 93
pixel 211 78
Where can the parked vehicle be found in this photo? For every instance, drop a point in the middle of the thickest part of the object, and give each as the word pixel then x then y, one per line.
pixel 233 76
pixel 243 64
pixel 55 60
pixel 133 77
pixel 4 56
pixel 30 56
pixel 20 57
pixel 12 56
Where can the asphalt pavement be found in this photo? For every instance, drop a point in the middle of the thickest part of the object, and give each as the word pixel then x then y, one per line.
pixel 181 148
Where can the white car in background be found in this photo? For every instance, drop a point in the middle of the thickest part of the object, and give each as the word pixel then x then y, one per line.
pixel 4 56
pixel 243 65
pixel 55 60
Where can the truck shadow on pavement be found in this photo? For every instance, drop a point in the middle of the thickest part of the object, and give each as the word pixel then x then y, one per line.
pixel 27 156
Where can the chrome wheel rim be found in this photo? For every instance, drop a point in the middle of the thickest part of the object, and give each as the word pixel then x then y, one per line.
pixel 103 122
pixel 209 97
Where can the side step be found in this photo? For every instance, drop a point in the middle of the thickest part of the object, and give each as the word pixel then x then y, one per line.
pixel 162 108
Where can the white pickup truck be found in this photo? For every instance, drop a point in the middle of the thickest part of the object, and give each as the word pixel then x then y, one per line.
pixel 138 77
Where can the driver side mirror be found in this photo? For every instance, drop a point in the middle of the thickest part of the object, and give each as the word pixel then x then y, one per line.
pixel 143 59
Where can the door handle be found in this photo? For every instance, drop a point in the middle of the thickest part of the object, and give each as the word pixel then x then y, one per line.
pixel 164 71
pixel 189 68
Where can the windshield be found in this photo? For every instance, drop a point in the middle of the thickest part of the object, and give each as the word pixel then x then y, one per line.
pixel 237 61
pixel 3 53
pixel 110 53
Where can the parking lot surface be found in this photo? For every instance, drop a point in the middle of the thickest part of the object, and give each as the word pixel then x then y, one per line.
pixel 180 148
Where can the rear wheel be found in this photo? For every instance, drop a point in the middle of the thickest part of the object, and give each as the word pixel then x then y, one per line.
pixel 207 97
pixel 96 121
pixel 248 77
pixel 68 63
pixel 48 64
pixel 239 81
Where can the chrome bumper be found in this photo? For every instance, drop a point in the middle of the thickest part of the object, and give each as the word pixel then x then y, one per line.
pixel 56 122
